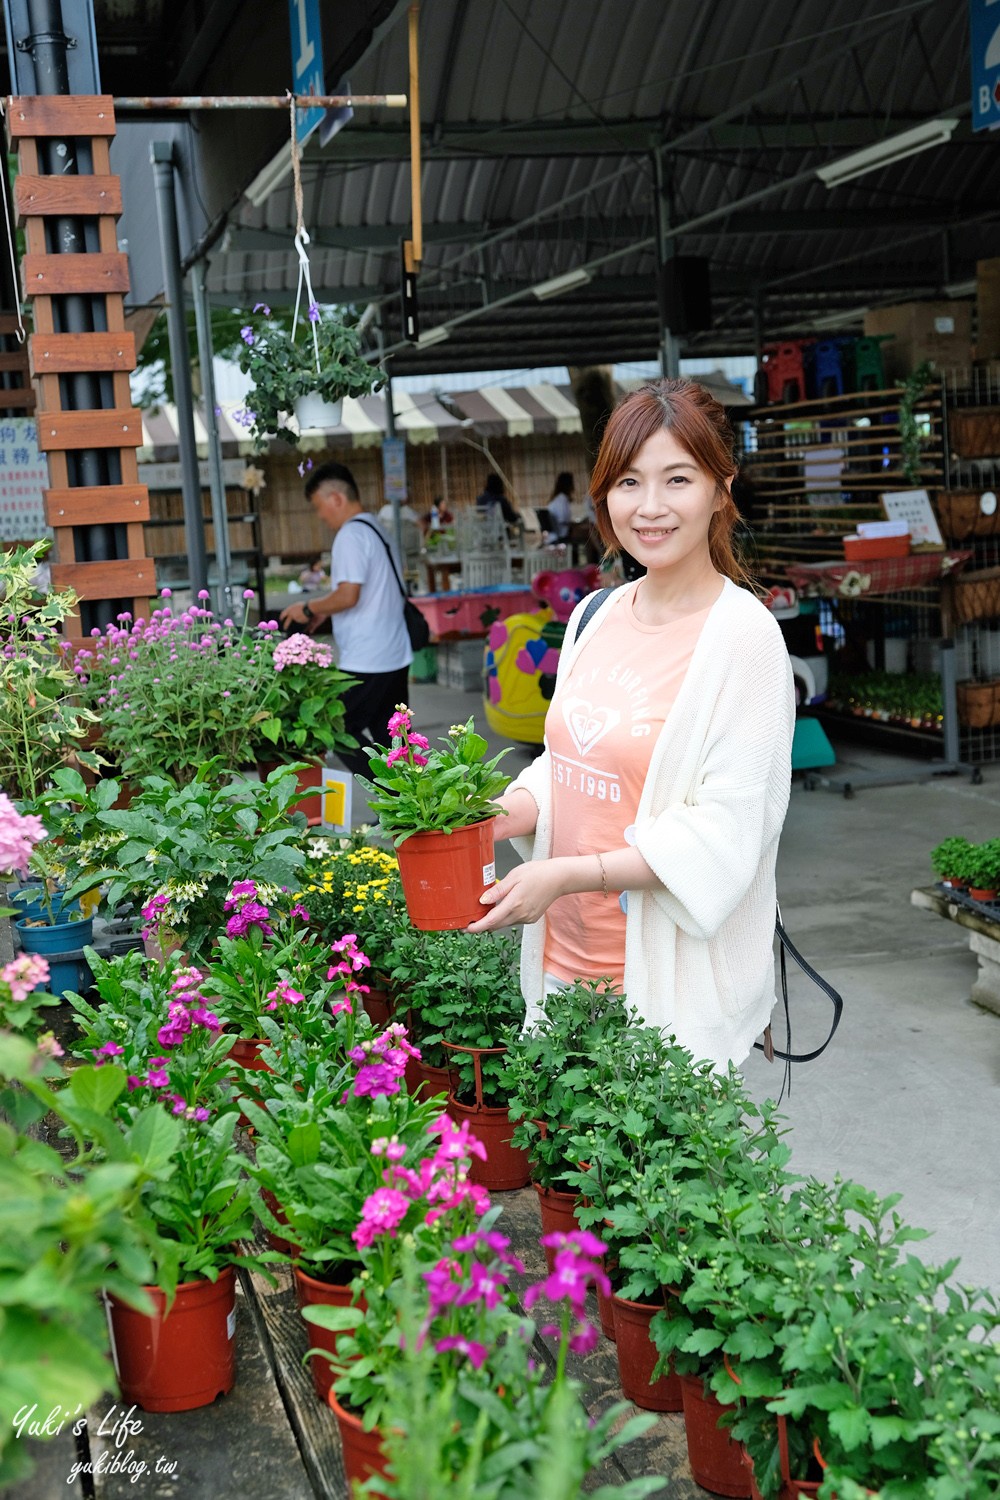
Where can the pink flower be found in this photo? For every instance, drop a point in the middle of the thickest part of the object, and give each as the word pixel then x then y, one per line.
pixel 383 1212
pixel 110 1049
pixel 476 1353
pixel 19 833
pixel 392 1150
pixel 420 742
pixel 24 974
pixel 577 1265
pixel 285 994
pixel 47 1046
pixel 444 1282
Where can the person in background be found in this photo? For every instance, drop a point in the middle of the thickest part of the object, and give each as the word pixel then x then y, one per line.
pixel 667 762
pixel 493 494
pixel 406 510
pixel 560 507
pixel 365 607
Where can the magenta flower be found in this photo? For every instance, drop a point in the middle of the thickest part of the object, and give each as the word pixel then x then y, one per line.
pixel 444 1283
pixel 577 1265
pixel 400 722
pixel 476 1353
pixel 485 1285
pixel 382 1213
pixel 392 1149
pixel 284 994
pixel 110 1049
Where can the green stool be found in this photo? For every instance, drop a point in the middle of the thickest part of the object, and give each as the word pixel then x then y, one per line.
pixel 869 373
pixel 424 667
pixel 811 750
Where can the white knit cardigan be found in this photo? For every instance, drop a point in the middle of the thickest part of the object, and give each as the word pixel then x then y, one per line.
pixel 699 958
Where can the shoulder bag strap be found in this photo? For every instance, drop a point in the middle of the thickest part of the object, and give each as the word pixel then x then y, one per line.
pixel 376 528
pixel 593 605
pixel 835 999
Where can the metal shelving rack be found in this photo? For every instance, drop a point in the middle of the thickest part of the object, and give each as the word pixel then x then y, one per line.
pixel 813 469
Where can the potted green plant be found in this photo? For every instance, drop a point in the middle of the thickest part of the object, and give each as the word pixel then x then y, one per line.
pixel 43 724
pixel 67 1236
pixel 307 371
pixel 351 885
pixel 946 859
pixel 981 869
pixel 437 807
pixel 187 846
pixel 176 691
pixel 307 718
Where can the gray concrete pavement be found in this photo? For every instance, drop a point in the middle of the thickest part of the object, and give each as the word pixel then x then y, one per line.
pixel 906 1098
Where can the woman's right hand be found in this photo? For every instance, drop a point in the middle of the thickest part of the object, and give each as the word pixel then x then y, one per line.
pixel 521 815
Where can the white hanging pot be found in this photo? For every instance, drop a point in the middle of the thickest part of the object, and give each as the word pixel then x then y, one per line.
pixel 313 412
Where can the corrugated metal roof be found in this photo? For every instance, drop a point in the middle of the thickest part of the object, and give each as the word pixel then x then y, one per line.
pixel 527 101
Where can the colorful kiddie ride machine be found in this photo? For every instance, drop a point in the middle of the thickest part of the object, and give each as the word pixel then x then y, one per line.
pixel 522 654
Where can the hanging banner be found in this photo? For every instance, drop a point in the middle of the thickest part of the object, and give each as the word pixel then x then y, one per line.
pixel 984 39
pixel 394 468
pixel 24 478
pixel 307 63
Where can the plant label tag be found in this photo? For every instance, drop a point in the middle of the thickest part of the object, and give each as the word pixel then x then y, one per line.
pixel 490 874
pixel 231 1322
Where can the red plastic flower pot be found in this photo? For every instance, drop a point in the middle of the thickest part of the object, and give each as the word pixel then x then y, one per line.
pixel 311 1292
pixel 715 1459
pixel 979 893
pixel 181 1359
pixel 308 780
pixel 507 1167
pixel 362 1451
pixel 637 1356
pixel 424 1081
pixel 245 1053
pixel 444 875
pixel 558 1216
pixel 284 1247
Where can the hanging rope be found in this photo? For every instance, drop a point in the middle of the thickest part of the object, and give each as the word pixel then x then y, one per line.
pixel 20 333
pixel 301 241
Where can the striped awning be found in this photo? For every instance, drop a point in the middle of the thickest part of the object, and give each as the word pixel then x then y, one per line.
pixel 421 417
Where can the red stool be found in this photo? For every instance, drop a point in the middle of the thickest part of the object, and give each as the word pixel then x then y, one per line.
pixel 784 365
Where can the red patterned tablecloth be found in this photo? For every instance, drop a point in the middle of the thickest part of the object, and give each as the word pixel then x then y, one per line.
pixel 886 575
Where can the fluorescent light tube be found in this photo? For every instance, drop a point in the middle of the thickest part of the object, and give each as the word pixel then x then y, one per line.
pixel 560 284
pixel 885 153
pixel 433 336
pixel 270 177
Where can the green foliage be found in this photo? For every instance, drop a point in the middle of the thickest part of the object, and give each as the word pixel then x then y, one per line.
pixel 350 886
pixel 909 698
pixel 463 988
pixel 449 788
pixel 193 842
pixel 912 436
pixel 980 865
pixel 42 726
pixel 283 364
pixel 947 858
pixel 307 707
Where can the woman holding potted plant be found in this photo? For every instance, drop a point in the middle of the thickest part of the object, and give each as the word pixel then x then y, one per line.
pixel 667 765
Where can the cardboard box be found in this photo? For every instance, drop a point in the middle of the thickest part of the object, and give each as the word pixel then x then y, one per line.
pixel 988 309
pixel 936 331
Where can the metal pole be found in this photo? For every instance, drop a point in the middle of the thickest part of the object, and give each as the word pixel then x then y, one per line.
pixel 162 157
pixel 74 313
pixel 154 104
pixel 220 509
pixel 669 353
pixel 390 432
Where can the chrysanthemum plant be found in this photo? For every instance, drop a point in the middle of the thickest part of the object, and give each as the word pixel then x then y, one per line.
pixel 350 885
pixel 321 359
pixel 416 789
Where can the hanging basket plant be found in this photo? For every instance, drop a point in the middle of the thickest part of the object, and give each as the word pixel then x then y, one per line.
pixel 911 436
pixel 321 360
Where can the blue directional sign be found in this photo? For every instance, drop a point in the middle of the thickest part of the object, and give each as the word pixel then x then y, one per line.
pixel 307 62
pixel 984 30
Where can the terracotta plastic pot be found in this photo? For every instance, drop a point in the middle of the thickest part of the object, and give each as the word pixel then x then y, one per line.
pixel 791 1489
pixel 637 1356
pixel 284 1247
pixel 715 1459
pixel 444 875
pixel 507 1167
pixel 307 780
pixel 978 893
pixel 558 1216
pixel 362 1451
pixel 424 1081
pixel 245 1053
pixel 606 1313
pixel 181 1359
pixel 310 1292
pixel 378 1006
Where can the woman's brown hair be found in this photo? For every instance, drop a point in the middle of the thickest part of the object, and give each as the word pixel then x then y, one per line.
pixel 700 425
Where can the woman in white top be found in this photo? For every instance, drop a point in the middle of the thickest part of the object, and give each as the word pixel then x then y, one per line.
pixel 667 763
pixel 560 507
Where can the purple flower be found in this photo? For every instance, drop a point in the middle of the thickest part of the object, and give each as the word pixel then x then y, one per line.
pixel 262 307
pixel 476 1353
pixel 247 335
pixel 314 312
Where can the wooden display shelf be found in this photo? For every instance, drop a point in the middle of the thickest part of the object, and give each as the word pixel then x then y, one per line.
pixel 62 275
pixel 97 505
pixel 52 115
pixel 86 196
pixel 64 353
pixel 71 430
pixel 123 578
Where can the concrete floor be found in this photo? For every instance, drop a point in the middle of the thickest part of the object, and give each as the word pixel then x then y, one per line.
pixel 905 1100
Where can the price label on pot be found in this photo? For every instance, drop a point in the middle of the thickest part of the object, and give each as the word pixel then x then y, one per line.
pixel 231 1323
pixel 489 874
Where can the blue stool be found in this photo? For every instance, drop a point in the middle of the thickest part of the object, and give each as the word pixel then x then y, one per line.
pixel 828 371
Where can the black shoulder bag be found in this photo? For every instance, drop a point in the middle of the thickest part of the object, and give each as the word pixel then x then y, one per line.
pixel 417 627
pixel 786 945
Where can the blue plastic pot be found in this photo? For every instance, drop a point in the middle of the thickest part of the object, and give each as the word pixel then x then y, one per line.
pixel 30 902
pixel 59 938
pixel 67 975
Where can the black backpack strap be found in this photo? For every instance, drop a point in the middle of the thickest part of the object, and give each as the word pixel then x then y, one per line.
pixel 376 528
pixel 592 606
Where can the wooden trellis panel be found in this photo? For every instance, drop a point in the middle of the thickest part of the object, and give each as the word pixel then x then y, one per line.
pixel 128 581
pixel 18 397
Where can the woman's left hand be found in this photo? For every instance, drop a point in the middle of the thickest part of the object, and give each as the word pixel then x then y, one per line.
pixel 522 896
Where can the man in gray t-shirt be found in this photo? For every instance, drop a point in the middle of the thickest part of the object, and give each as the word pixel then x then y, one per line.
pixel 365 607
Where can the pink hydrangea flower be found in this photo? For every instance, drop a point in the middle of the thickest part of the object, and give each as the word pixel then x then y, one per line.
pixel 19 833
pixel 23 974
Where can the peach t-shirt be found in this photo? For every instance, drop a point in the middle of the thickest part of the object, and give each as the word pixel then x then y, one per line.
pixel 601 727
